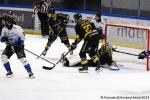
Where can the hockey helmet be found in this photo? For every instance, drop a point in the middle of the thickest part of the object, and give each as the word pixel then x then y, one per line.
pixel 98 16
pixel 77 17
pixel 106 47
pixel 7 19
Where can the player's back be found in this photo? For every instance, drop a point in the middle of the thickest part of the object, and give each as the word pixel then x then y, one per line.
pixel 84 28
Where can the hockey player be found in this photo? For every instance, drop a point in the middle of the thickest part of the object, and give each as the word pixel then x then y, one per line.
pixel 14 37
pixel 104 54
pixel 86 31
pixel 58 23
pixel 98 23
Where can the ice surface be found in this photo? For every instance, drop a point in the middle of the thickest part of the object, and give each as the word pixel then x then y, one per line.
pixel 63 83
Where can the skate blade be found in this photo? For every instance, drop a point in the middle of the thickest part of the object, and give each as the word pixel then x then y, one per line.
pixel 31 77
pixel 115 69
pixel 85 71
pixel 10 76
pixel 99 70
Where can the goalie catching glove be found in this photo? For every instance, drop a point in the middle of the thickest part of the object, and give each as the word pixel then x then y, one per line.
pixel 142 55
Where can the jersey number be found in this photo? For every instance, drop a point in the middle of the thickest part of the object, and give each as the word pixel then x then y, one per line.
pixel 87 28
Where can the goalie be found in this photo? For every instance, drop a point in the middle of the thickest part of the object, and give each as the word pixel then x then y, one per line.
pixel 104 54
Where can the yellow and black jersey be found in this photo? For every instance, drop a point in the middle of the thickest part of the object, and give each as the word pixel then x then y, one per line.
pixel 58 22
pixel 105 57
pixel 84 28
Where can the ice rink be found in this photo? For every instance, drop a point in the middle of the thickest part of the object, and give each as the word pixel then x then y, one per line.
pixel 63 83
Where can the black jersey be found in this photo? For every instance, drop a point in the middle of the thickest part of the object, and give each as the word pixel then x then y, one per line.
pixel 84 29
pixel 105 57
pixel 58 22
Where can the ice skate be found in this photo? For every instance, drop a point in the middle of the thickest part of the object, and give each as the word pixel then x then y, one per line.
pixel 31 75
pixel 9 74
pixel 83 69
pixel 98 68
pixel 113 67
pixel 44 53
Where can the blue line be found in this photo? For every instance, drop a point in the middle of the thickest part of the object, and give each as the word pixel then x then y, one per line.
pixel 15 6
pixel 75 11
pixel 81 11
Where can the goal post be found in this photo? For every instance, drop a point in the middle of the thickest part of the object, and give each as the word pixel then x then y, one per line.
pixel 129 36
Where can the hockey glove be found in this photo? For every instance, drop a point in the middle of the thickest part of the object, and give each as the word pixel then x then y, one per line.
pixel 4 39
pixel 114 49
pixel 19 42
pixel 73 46
pixel 142 55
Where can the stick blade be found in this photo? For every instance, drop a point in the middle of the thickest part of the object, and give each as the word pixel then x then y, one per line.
pixel 47 68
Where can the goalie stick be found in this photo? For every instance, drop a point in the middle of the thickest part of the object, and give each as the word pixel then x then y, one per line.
pixel 50 68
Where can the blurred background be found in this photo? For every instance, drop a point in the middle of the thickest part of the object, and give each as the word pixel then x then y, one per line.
pixel 127 7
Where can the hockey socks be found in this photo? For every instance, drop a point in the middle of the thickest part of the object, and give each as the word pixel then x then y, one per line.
pixel 28 68
pixel 7 67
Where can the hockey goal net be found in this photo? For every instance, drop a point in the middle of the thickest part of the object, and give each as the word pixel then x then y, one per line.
pixel 129 36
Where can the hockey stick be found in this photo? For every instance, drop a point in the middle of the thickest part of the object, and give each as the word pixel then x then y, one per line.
pixel 40 57
pixel 129 53
pixel 125 53
pixel 50 68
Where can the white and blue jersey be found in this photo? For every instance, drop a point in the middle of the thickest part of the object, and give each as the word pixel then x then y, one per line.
pixel 15 36
pixel 99 26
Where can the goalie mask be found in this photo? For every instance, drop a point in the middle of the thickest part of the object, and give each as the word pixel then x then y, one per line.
pixel 77 17
pixel 106 47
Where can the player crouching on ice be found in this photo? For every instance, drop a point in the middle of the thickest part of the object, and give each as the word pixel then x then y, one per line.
pixel 14 37
pixel 104 54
